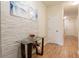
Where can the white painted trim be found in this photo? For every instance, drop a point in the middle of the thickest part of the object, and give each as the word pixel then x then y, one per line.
pixel 45 43
pixel 78 52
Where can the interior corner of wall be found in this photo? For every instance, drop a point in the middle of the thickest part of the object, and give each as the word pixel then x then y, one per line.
pixel 60 43
pixel 45 42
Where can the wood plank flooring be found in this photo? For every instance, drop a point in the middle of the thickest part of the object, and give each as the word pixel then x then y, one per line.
pixel 68 50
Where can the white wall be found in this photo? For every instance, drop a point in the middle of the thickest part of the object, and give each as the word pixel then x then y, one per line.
pixel 43 22
pixel 55 24
pixel 70 27
pixel 16 28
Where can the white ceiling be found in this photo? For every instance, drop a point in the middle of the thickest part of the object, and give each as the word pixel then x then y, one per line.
pixel 69 9
pixel 51 3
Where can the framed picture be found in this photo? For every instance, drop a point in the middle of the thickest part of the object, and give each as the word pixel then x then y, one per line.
pixel 21 9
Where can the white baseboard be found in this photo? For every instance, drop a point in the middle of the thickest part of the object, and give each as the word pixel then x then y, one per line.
pixel 45 43
pixel 78 52
pixel 61 44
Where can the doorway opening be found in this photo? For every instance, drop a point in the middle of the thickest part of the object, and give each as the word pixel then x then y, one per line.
pixel 70 29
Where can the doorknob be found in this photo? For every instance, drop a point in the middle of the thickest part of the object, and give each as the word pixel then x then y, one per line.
pixel 56 30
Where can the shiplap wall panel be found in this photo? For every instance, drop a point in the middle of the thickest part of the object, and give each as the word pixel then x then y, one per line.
pixel 14 29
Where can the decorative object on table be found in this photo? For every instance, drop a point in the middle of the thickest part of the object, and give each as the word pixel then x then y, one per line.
pixel 23 9
pixel 32 37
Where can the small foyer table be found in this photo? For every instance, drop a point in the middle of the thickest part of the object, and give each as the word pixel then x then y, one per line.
pixel 27 47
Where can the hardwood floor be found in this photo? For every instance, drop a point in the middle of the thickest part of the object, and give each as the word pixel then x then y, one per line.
pixel 68 50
